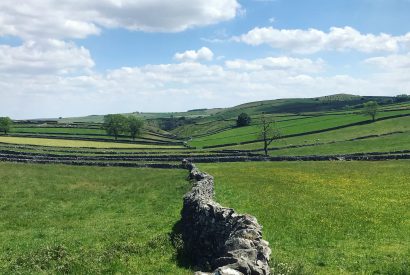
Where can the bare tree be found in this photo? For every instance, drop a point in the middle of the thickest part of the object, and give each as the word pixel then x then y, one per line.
pixel 269 131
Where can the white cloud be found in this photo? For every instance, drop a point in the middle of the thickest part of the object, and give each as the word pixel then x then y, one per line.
pixel 78 18
pixel 203 53
pixel 390 62
pixel 392 69
pixel 44 57
pixel 313 40
pixel 277 63
pixel 181 86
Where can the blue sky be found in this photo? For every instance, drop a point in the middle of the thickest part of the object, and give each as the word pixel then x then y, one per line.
pixel 69 58
pixel 116 48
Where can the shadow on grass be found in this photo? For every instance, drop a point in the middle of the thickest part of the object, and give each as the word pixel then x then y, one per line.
pixel 183 258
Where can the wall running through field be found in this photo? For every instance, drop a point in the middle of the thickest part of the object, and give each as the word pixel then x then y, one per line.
pixel 219 239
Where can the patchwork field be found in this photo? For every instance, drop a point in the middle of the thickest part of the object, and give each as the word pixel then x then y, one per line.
pixel 326 217
pixel 287 128
pixel 62 219
pixel 76 143
pixel 395 125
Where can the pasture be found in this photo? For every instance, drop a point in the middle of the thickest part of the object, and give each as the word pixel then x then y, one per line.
pixel 383 127
pixel 76 143
pixel 295 126
pixel 63 219
pixel 320 217
pixel 325 217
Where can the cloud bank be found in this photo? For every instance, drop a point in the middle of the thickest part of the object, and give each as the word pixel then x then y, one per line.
pixel 79 19
pixel 312 40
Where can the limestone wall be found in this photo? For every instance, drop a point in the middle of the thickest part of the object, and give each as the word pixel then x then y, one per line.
pixel 219 239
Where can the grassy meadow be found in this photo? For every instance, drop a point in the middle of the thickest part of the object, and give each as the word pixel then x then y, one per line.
pixel 319 217
pixel 401 124
pixel 325 217
pixel 87 220
pixel 388 143
pixel 76 143
pixel 287 127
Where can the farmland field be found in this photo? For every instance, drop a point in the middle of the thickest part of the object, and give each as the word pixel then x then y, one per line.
pixel 388 143
pixel 401 124
pixel 305 125
pixel 196 137
pixel 325 217
pixel 76 143
pixel 62 219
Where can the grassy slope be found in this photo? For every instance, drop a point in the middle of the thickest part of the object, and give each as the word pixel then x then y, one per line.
pixel 376 128
pixel 291 105
pixel 390 143
pixel 287 127
pixel 100 118
pixel 325 217
pixel 189 130
pixel 296 105
pixel 88 220
pixel 75 143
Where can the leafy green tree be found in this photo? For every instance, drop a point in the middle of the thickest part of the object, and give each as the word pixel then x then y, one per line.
pixel 243 120
pixel 269 132
pixel 5 124
pixel 371 109
pixel 134 126
pixel 115 125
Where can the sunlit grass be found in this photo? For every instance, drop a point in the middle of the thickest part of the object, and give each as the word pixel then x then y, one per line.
pixel 390 143
pixel 250 133
pixel 76 143
pixel 325 217
pixel 376 128
pixel 87 220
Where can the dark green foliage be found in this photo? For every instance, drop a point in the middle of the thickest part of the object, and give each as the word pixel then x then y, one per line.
pixel 5 124
pixel 134 126
pixel 371 108
pixel 402 98
pixel 243 120
pixel 171 123
pixel 115 125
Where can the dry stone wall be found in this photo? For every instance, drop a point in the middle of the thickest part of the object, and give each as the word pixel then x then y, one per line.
pixel 218 239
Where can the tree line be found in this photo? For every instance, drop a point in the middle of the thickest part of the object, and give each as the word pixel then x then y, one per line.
pixel 116 125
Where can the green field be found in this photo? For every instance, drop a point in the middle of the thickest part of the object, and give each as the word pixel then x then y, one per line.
pixel 319 217
pixel 46 130
pixel 62 219
pixel 76 143
pixel 390 143
pixel 376 128
pixel 83 132
pixel 250 133
pixel 325 217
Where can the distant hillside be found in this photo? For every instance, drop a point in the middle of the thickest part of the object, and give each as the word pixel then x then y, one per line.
pixel 189 114
pixel 290 105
